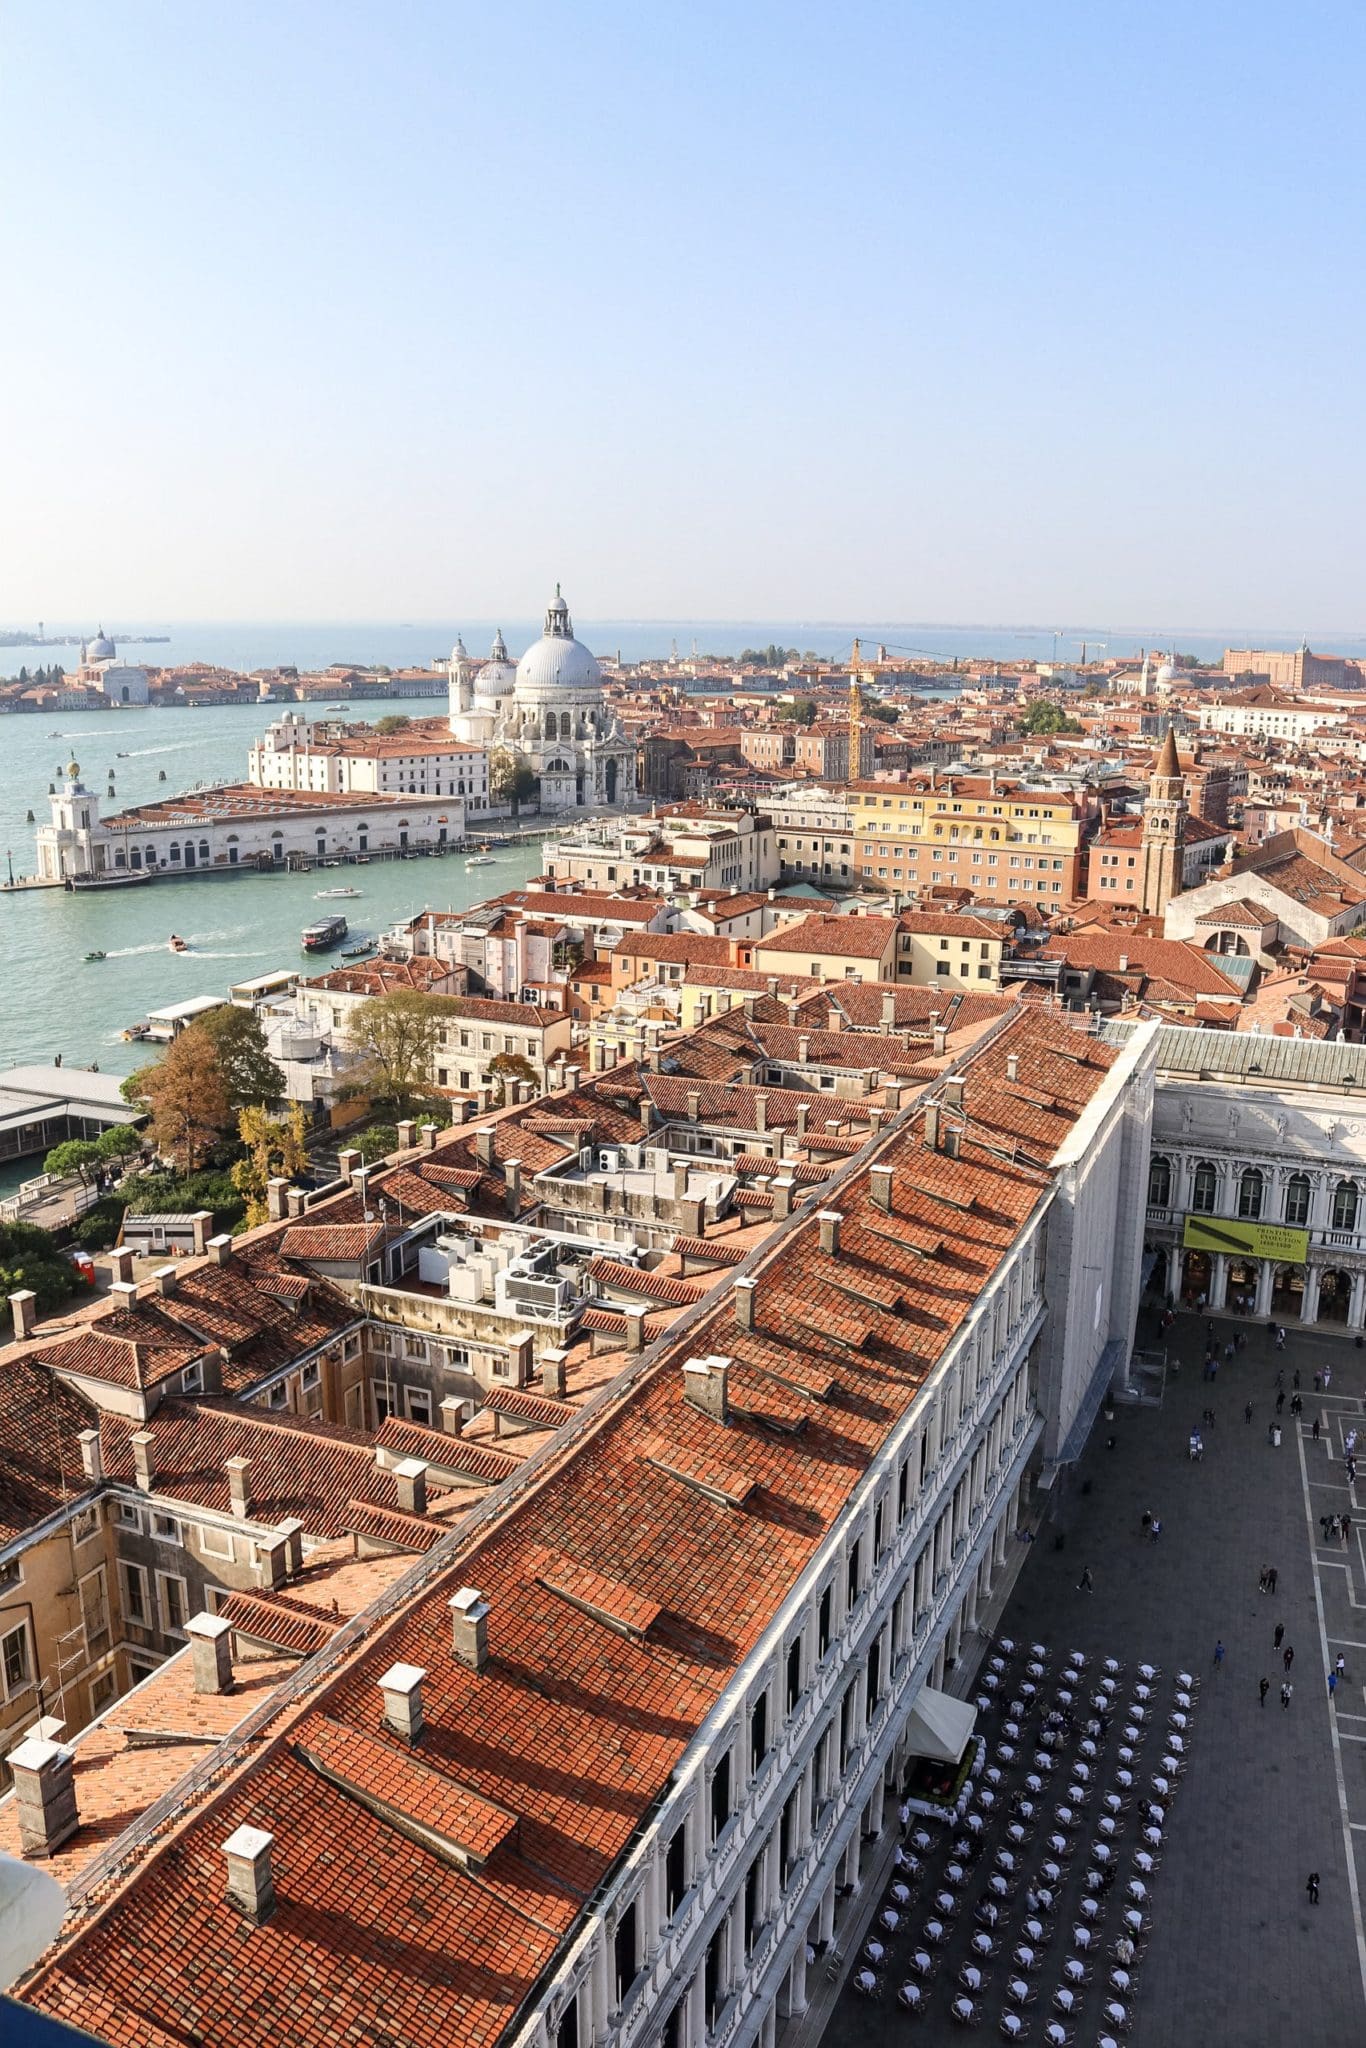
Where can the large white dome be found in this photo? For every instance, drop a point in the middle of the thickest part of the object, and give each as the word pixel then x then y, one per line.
pixel 557 662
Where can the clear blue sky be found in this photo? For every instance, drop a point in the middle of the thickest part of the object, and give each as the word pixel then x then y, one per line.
pixel 957 311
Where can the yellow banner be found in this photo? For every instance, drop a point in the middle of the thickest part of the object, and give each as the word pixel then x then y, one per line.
pixel 1240 1239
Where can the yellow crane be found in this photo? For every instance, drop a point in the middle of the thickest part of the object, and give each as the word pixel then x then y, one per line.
pixel 855 716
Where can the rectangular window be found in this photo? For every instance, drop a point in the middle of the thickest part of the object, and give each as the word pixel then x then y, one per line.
pixel 758 1732
pixel 171 1596
pixel 720 1795
pixel 794 1674
pixel 419 1404
pixel 675 1871
pixel 16 1660
pixel 823 1621
pixel 624 1952
pixel 136 1606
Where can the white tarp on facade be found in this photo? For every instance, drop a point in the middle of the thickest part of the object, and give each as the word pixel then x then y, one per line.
pixel 940 1726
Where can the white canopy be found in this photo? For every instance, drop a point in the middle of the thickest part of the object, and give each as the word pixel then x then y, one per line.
pixel 940 1726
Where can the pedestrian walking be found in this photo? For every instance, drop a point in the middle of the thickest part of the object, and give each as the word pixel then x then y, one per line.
pixel 1219 1652
pixel 1313 1887
pixel 1316 1428
pixel 1084 1583
pixel 1332 1683
pixel 1263 1688
pixel 1276 1436
pixel 1289 1657
pixel 1280 1376
pixel 1346 1530
pixel 1327 1377
pixel 1279 1636
pixel 1296 1405
pixel 1280 1400
pixel 1247 1412
pixel 1271 1579
pixel 1261 1582
pixel 1286 1691
pixel 1295 1382
pixel 1318 1381
pixel 1351 1471
pixel 1280 1340
pixel 1147 1520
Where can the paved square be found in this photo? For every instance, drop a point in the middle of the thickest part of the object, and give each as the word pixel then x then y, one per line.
pixel 1237 1954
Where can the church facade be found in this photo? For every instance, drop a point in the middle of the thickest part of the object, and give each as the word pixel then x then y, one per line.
pixel 550 713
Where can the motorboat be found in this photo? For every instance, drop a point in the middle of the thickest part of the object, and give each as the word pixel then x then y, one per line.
pixel 122 754
pixel 358 952
pixel 321 937
pixel 176 944
pixel 96 956
pixel 321 893
pixel 481 860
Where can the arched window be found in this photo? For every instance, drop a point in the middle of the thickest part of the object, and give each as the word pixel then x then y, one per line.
pixel 151 856
pixel 550 725
pixel 1159 1183
pixel 204 851
pixel 173 850
pixel 1345 1205
pixel 1297 1199
pixel 1250 1193
pixel 566 726
pixel 1205 1189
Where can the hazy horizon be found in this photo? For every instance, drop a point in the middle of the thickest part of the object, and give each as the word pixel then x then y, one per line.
pixel 922 314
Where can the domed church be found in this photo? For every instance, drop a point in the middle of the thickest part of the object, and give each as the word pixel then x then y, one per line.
pixel 551 712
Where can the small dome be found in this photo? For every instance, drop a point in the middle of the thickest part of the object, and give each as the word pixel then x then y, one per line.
pixel 100 648
pixel 458 651
pixel 557 661
pixel 496 678
pixel 498 651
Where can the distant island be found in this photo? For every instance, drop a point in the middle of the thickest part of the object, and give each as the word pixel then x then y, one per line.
pixel 10 638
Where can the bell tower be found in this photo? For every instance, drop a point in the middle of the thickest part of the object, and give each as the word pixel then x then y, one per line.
pixel 1164 830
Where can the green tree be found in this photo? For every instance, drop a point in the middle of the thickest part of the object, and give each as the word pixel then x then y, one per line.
pixel 398 1037
pixel 877 708
pixel 801 709
pixel 507 1068
pixel 393 721
pixel 118 1141
pixel 375 1143
pixel 1044 717
pixel 510 780
pixel 75 1155
pixel 29 1258
pixel 248 1072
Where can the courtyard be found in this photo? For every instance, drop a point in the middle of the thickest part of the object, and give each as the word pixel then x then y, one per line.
pixel 1236 1952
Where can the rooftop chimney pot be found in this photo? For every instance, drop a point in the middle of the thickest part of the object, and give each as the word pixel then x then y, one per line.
pixel 830 1220
pixel 44 1794
pixel 401 1689
pixel 744 1302
pixel 210 1652
pixel 470 1628
pixel 410 1480
pixel 251 1883
pixel 23 1304
pixel 141 1441
pixel 706 1383
pixel 219 1248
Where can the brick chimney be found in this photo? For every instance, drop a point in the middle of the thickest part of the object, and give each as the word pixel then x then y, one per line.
pixel 706 1383
pixel 202 1221
pixel 761 1110
pixel 407 1133
pixel 469 1628
pixel 410 1481
pixel 782 1196
pixel 123 1297
pixel 803 1112
pixel 693 1101
pixel 635 1329
pixel 44 1794
pixel 450 1411
pixel 23 1307
pixel 932 1125
pixel 210 1652
pixel 296 1201
pixel 554 1374
pixel 401 1691
pixel 1012 1066
pixel 430 1134
pixel 239 1484
pixel 164 1280
pixel 251 1882
pixel 880 1188
pixel 512 1184
pixel 483 1146
pixel 121 1263
pixel 141 1442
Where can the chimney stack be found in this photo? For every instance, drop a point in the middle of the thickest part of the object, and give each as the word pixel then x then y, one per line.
pixel 555 1374
pixel 483 1145
pixel 635 1329
pixel 891 1095
pixel 830 1221
pixel 941 1039
pixel 164 1279
pixel 760 1110
pixel 401 1690
pixel 123 1296
pixel 803 1112
pixel 251 1883
pixel 141 1441
pixel 744 1302
pixel 296 1201
pixel 44 1794
pixel 220 1248
pixel 782 1196
pixel 202 1221
pixel 210 1652
pixel 693 1100
pixel 410 1480
pixel 429 1137
pixel 880 1188
pixel 706 1386
pixel 470 1628
pixel 239 1484
pixel 953 1091
pixel 932 1125
pixel 889 1011
pixel 1124 963
pixel 1012 1066
pixel 874 1121
pixel 276 1190
pixel 23 1307
pixel 407 1133
pixel 804 1049
pixel 512 1186
pixel 92 1458
pixel 450 1412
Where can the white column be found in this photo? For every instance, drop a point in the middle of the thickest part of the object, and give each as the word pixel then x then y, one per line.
pixel 1266 1275
pixel 794 1988
pixel 1356 1307
pixel 826 1927
pixel 1309 1301
pixel 1174 1274
pixel 1218 1280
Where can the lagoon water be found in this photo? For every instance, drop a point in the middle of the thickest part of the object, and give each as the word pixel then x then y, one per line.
pixel 237 924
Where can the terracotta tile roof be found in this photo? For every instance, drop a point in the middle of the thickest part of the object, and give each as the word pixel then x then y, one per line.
pixel 40 1459
pixel 391 1779
pixel 338 1244
pixel 447 1453
pixel 675 947
pixel 516 1405
pixel 1170 960
pixel 391 1525
pixel 282 1624
pixel 137 1347
pixel 610 1273
pixel 850 938
pixel 708 1249
pixel 1241 912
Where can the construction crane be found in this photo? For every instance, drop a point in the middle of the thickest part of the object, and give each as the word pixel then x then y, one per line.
pixel 855 717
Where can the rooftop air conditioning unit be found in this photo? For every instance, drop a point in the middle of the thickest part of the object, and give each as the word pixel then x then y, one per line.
pixel 609 1162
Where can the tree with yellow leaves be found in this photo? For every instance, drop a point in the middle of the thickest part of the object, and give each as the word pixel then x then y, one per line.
pixel 275 1148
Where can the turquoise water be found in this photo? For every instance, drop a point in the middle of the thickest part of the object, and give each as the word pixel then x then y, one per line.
pixel 237 925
